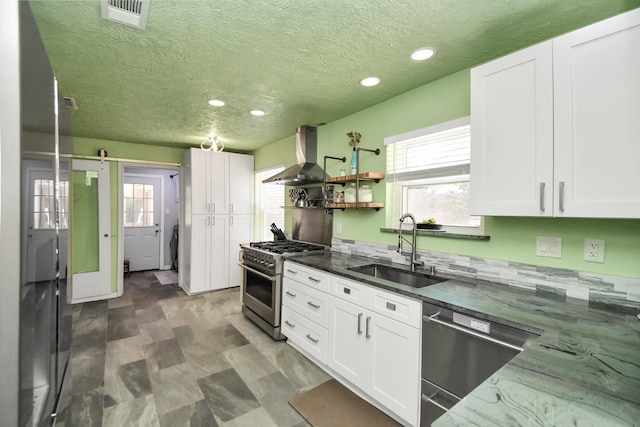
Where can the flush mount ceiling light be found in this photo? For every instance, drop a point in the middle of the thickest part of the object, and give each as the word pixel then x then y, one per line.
pixel 423 54
pixel 214 144
pixel 369 81
pixel 215 102
pixel 257 113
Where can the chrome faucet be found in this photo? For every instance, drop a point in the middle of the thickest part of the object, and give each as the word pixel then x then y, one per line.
pixel 414 261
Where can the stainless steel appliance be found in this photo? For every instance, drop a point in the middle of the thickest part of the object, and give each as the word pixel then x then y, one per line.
pixel 458 353
pixel 262 264
pixel 306 171
pixel 43 325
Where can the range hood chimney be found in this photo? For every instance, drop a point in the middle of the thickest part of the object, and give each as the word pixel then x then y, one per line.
pixel 306 171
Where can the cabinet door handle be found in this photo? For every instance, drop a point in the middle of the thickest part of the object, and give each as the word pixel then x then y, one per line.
pixel 313 305
pixel 213 221
pixel 347 291
pixel 561 196
pixel 208 207
pixel 312 339
pixel 213 207
pixel 291 271
pixel 359 319
pixel 313 279
pixel 542 184
pixel 291 325
pixel 231 208
pixel 366 327
pixel 230 220
pixel 290 294
pixel 391 306
pixel 208 220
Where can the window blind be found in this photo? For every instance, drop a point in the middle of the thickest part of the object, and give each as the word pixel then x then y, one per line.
pixel 269 199
pixel 430 153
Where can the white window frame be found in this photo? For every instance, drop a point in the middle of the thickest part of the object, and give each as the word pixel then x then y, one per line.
pixel 457 173
pixel 261 224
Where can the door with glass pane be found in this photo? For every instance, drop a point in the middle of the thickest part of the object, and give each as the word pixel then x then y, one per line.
pixel 90 231
pixel 42 219
pixel 142 228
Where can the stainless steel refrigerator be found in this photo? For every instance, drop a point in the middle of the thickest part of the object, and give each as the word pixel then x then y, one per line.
pixel 45 316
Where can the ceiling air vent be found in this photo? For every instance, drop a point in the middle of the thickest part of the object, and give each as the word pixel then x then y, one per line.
pixel 128 12
pixel 70 103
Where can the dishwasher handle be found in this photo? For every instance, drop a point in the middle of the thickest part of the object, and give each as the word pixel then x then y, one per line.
pixel 434 318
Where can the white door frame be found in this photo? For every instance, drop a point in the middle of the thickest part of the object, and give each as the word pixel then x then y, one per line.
pixel 121 168
pixel 161 265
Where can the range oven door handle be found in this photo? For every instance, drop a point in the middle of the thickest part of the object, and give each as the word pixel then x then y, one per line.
pixel 434 319
pixel 272 278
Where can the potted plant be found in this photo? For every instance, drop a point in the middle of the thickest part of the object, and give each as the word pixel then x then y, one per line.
pixel 429 224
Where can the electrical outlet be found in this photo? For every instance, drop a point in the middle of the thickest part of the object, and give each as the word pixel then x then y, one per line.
pixel 338 228
pixel 594 250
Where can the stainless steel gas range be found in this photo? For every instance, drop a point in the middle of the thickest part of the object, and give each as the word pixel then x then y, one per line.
pixel 262 264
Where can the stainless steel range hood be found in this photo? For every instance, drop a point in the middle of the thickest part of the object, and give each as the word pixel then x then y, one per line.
pixel 306 171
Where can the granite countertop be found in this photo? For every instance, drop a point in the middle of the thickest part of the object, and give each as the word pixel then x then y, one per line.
pixel 583 369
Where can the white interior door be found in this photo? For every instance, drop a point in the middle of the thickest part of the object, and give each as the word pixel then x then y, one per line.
pixel 41 226
pixel 91 228
pixel 142 221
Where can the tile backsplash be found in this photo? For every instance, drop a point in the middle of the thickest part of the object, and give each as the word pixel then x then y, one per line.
pixel 601 288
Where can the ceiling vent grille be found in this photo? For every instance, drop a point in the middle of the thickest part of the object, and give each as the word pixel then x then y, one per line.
pixel 128 12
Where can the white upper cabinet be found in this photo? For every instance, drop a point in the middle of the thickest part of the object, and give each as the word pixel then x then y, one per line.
pixel 222 183
pixel 596 80
pixel 219 182
pixel 555 128
pixel 512 134
pixel 241 184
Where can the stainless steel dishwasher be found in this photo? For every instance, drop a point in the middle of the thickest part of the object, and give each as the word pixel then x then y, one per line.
pixel 458 353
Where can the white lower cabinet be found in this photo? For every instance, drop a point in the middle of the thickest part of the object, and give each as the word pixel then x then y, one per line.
pixel 310 336
pixel 366 337
pixel 214 243
pixel 207 265
pixel 377 354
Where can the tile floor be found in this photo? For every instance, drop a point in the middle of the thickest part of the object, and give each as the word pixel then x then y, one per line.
pixel 157 357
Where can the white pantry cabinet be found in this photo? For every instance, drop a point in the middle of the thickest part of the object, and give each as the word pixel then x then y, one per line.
pixel 210 234
pixel 554 128
pixel 241 183
pixel 207 266
pixel 240 231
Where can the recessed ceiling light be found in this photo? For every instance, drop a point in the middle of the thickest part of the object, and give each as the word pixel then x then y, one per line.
pixel 257 112
pixel 216 102
pixel 369 81
pixel 422 54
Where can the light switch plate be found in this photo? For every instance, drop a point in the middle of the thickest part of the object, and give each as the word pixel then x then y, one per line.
pixel 549 246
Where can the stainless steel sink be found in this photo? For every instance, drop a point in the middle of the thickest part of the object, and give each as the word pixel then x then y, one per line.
pixel 406 277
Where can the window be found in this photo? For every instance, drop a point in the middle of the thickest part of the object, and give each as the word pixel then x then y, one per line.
pixel 428 175
pixel 138 205
pixel 44 205
pixel 269 202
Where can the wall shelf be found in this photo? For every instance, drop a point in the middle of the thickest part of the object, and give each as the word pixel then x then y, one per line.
pixel 342 180
pixel 360 205
pixel 367 176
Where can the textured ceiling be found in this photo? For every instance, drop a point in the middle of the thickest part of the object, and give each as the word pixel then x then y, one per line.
pixel 299 60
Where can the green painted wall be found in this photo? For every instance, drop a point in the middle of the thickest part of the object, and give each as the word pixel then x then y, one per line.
pixel 282 152
pixel 127 150
pixel 512 238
